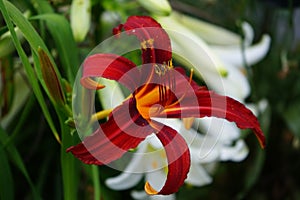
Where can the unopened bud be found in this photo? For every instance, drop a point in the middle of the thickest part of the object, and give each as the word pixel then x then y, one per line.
pixel 51 79
pixel 158 7
pixel 80 18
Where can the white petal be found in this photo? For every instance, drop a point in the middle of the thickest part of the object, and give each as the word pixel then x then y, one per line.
pixel 154 158
pixel 221 129
pixel 203 148
pixel 208 152
pixel 234 85
pixel 157 178
pixel 161 7
pixel 123 181
pixel 236 153
pixel 251 55
pixel 112 95
pixel 198 176
pixel 163 197
pixel 248 32
pixel 141 195
pixel 132 174
pixel 154 141
pixel 211 33
pixel 191 48
pixel 176 124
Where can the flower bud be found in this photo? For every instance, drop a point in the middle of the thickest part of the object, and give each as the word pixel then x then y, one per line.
pixel 50 78
pixel 158 7
pixel 80 17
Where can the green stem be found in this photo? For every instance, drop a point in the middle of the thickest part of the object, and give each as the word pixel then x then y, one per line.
pixel 96 182
pixel 69 165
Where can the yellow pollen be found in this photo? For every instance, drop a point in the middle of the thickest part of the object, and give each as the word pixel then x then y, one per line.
pixel 144 44
pixel 170 64
pixel 147 43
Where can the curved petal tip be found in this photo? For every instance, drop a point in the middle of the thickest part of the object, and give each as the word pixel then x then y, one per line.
pixel 149 189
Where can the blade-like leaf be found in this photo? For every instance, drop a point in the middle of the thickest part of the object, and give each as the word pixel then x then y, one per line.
pixel 66 46
pixel 17 160
pixel 10 12
pixel 6 180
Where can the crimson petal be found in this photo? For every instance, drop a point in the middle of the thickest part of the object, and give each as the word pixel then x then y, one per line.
pixel 113 138
pixel 110 66
pixel 211 104
pixel 178 156
pixel 155 42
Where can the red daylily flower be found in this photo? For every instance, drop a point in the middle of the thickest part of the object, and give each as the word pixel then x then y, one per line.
pixel 157 90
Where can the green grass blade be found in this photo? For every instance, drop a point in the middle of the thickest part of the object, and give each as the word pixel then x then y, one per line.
pixel 27 29
pixel 42 6
pixel 6 180
pixel 35 41
pixel 17 160
pixel 64 41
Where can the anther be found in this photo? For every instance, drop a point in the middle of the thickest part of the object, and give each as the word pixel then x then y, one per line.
pixel 147 44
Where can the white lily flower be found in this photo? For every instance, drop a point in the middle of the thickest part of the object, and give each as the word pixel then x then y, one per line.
pixel 204 149
pixel 207 31
pixel 190 47
pixel 148 162
pixel 228 45
pixel 80 17
pixel 218 60
pixel 251 54
pixel 220 139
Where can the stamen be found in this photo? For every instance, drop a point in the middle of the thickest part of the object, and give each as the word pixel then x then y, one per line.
pixel 191 75
pixel 100 115
pixel 157 70
pixel 180 99
pixel 166 83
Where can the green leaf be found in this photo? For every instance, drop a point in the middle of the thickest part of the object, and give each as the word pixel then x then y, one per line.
pixel 291 117
pixel 66 46
pixel 16 158
pixel 6 180
pixel 10 12
pixel 42 6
